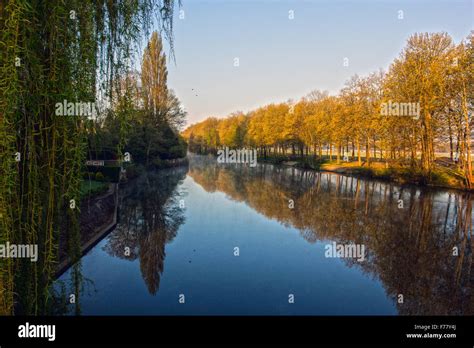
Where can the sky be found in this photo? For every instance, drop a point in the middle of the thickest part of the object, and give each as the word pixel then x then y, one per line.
pixel 281 58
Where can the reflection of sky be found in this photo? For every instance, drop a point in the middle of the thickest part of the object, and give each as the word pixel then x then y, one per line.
pixel 281 58
pixel 274 261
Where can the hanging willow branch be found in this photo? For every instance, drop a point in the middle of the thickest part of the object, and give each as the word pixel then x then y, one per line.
pixel 49 52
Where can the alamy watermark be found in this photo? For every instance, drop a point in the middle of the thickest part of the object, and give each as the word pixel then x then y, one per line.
pixel 75 109
pixel 37 331
pixel 26 251
pixel 247 156
pixel 400 109
pixel 355 251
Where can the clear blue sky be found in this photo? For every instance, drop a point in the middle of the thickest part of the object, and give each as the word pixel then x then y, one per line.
pixel 282 58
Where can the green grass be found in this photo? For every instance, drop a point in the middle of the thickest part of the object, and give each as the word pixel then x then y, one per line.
pixel 91 188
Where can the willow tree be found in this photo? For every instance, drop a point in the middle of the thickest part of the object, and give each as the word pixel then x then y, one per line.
pixel 50 52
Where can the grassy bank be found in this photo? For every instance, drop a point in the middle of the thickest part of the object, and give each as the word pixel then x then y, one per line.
pixel 444 174
pixel 90 188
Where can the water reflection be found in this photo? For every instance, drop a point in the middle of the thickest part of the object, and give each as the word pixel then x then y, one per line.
pixel 150 215
pixel 410 234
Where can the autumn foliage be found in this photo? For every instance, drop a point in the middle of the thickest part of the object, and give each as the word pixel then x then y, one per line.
pixel 431 71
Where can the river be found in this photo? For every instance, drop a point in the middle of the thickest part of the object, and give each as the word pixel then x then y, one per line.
pixel 216 239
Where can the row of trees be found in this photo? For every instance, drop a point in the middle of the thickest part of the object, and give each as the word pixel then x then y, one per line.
pixel 431 70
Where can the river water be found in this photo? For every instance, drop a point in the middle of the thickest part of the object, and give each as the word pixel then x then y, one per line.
pixel 215 239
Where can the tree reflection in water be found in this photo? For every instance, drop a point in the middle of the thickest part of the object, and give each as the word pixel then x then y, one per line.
pixel 410 249
pixel 149 217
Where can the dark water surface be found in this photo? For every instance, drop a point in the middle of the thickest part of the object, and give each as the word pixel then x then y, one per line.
pixel 179 228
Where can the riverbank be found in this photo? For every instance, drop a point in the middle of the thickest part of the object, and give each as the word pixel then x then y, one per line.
pixel 98 217
pixel 444 174
pixel 99 210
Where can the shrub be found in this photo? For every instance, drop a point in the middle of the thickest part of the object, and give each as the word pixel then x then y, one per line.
pixel 99 176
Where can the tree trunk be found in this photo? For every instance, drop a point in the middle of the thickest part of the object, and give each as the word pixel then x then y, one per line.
pixel 367 155
pixel 339 149
pixel 359 158
pixel 468 167
pixel 451 145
